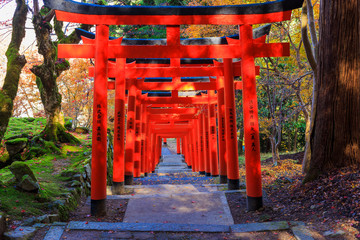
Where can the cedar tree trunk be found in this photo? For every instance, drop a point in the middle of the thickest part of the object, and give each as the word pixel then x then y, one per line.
pixel 335 140
pixel 14 66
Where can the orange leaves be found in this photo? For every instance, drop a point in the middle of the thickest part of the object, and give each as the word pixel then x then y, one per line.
pixel 76 89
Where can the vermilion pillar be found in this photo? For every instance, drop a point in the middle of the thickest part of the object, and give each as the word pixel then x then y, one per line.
pixel 99 135
pixel 201 144
pixel 212 137
pixel 206 143
pixel 148 148
pixel 196 146
pixel 221 130
pixel 182 146
pixel 153 152
pixel 187 150
pixel 143 138
pixel 159 148
pixel 119 129
pixel 130 135
pixel 251 123
pixel 230 127
pixel 178 151
pixel 137 156
pixel 192 149
pixel 165 141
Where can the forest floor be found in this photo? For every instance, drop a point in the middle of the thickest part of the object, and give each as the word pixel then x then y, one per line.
pixel 329 205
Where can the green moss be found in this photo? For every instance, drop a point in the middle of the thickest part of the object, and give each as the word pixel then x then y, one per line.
pixel 65 65
pixel 102 2
pixel 30 119
pixel 21 205
pixel 50 147
pixel 20 169
pixel 35 152
pixel 24 127
pixel 68 124
pixel 57 133
pixel 16 141
pixel 82 130
pixel 44 11
pixel 4 156
pixel 5 101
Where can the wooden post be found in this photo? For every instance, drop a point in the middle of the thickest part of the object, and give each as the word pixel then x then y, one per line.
pixel 178 151
pixel 201 144
pixel 137 150
pixel 99 135
pixel 119 129
pixel 214 167
pixel 130 135
pixel 251 122
pixel 196 145
pixel 221 131
pixel 143 151
pixel 230 127
pixel 206 143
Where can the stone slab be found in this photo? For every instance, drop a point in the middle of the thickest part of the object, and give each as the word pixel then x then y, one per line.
pixel 171 164
pixel 207 208
pixel 180 167
pixel 59 223
pixel 172 171
pixel 54 233
pixel 204 194
pixel 147 227
pixel 116 235
pixel 165 151
pixel 165 189
pixel 259 227
pixel 302 233
pixel 21 233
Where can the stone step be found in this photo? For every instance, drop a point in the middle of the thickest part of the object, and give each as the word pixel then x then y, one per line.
pixel 166 164
pixel 172 171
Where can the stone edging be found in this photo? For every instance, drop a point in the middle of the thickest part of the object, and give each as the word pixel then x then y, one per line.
pixel 298 228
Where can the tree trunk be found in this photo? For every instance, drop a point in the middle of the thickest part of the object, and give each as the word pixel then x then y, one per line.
pixel 47 73
pixel 240 143
pixel 335 141
pixel 295 138
pixel 274 150
pixel 14 66
pixel 307 152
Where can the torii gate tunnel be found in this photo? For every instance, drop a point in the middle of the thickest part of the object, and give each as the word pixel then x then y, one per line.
pixel 173 64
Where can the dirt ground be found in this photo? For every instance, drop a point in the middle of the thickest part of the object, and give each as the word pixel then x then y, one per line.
pixel 115 211
pixel 330 203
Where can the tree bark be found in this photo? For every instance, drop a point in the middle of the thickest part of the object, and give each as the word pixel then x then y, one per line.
pixel 15 64
pixel 48 72
pixel 335 141
pixel 311 49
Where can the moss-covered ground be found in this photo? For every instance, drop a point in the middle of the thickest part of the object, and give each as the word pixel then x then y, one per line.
pixel 47 170
pixel 25 126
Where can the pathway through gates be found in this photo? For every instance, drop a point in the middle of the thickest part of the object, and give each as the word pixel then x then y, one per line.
pixel 204 124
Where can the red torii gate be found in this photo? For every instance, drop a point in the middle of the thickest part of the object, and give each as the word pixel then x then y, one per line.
pixel 243 15
pixel 187 69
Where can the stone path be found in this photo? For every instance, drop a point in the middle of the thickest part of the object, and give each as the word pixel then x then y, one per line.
pixel 174 204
